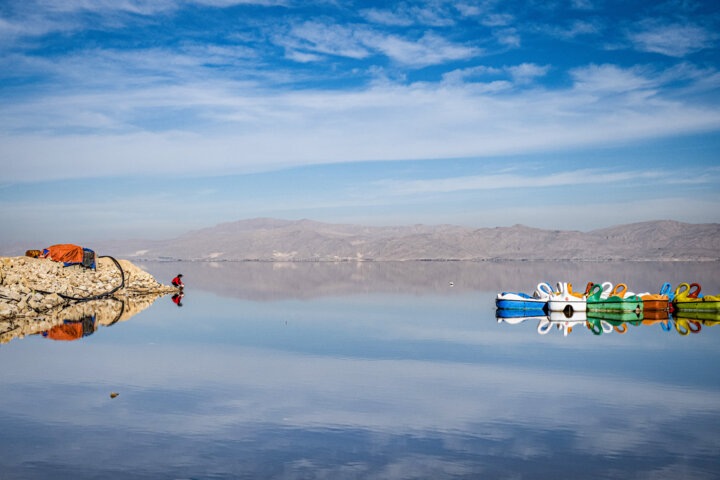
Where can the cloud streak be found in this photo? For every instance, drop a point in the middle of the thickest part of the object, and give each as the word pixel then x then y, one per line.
pixel 671 39
pixel 235 125
pixel 359 42
pixel 528 179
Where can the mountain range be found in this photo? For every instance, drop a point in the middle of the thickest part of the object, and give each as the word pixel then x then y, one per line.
pixel 266 239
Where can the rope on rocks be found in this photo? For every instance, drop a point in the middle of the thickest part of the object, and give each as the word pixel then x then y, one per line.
pixel 94 297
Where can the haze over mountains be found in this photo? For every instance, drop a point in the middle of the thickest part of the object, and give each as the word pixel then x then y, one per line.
pixel 266 239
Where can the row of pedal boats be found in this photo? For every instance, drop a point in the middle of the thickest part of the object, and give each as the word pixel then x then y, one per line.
pixel 606 298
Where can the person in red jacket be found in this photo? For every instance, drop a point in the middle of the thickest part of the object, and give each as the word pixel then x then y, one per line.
pixel 177 281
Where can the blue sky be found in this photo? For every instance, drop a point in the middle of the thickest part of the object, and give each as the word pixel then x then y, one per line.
pixel 134 118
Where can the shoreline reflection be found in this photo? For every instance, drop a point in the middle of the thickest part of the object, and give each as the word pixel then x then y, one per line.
pixel 75 321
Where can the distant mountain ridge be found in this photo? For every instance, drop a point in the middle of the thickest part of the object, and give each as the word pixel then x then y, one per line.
pixel 267 239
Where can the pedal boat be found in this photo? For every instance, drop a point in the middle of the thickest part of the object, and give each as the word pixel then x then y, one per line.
pixel 615 301
pixel 686 299
pixel 565 300
pixel 655 302
pixel 523 301
pixel 658 301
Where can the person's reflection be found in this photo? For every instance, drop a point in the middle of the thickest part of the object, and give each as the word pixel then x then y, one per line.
pixel 177 298
pixel 71 330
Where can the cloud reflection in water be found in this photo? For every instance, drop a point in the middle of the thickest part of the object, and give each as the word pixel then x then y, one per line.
pixel 361 386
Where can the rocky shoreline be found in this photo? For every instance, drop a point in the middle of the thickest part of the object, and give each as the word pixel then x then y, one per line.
pixel 37 294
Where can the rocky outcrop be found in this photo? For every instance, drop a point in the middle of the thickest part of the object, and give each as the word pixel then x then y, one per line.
pixel 45 293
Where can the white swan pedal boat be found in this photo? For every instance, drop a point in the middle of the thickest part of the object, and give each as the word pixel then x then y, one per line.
pixel 565 300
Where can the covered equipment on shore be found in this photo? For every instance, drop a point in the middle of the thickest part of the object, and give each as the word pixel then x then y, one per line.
pixel 70 255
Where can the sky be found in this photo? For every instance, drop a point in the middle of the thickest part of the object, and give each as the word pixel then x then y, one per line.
pixel 145 119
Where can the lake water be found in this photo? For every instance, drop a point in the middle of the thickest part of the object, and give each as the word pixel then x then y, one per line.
pixel 371 370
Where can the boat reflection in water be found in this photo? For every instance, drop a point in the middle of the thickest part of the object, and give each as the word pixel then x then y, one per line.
pixel 604 309
pixel 600 323
pixel 76 320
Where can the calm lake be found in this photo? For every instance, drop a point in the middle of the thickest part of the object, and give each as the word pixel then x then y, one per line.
pixel 370 370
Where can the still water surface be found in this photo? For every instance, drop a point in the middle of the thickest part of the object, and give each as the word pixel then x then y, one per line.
pixel 365 371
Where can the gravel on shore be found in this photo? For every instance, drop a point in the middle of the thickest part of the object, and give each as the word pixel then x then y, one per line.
pixel 22 279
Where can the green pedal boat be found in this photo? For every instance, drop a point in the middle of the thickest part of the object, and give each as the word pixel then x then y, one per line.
pixel 601 299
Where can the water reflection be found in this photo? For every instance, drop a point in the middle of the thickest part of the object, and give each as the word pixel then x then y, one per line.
pixel 609 322
pixel 273 281
pixel 311 383
pixel 71 330
pixel 75 320
pixel 177 299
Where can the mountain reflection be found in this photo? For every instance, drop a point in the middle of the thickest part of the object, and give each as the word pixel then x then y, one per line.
pixel 75 321
pixel 272 281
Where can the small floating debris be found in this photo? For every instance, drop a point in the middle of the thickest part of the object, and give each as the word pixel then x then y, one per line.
pixel 113 394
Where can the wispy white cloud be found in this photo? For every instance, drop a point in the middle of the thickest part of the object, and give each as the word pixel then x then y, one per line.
pixel 582 4
pixel 141 7
pixel 231 3
pixel 35 18
pixel 611 78
pixel 302 57
pixel 520 180
pixel 526 72
pixel 235 126
pixel 468 9
pixel 497 19
pixel 463 75
pixel 671 39
pixel 130 70
pixel 358 41
pixel 430 49
pixel 509 37
pixel 388 17
pixel 34 24
pixel 574 29
pixel 521 74
pixel 331 39
pixel 428 14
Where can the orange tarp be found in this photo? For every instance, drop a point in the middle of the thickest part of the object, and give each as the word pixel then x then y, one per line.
pixel 66 332
pixel 64 253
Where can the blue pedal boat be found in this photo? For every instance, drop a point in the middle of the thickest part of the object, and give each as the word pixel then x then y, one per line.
pixel 523 301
